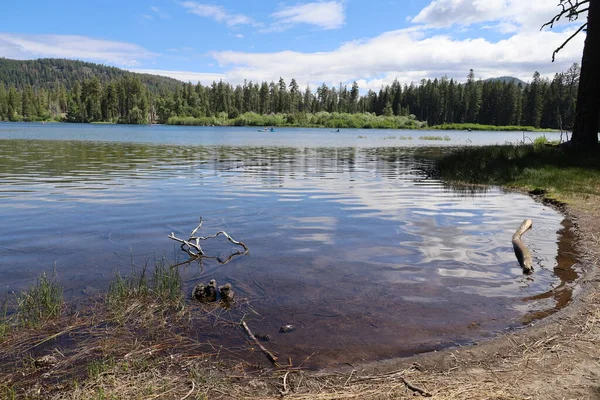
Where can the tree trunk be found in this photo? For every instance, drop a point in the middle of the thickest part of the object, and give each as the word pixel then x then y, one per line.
pixel 585 131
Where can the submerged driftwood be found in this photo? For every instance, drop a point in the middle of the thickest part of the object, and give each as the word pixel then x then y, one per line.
pixel 521 251
pixel 193 249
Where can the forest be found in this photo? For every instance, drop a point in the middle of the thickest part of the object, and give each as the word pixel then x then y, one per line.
pixel 75 91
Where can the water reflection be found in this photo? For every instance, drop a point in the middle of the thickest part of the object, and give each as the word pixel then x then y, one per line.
pixel 368 257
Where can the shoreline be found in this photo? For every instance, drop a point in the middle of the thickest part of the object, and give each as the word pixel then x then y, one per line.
pixel 555 357
pixel 444 127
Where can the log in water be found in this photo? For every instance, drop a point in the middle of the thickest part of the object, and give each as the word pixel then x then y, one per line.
pixel 521 251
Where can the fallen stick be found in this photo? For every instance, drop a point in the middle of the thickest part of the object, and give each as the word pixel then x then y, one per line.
pixel 521 251
pixel 415 389
pixel 272 357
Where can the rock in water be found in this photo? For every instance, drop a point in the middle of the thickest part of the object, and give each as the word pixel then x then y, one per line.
pixel 286 328
pixel 205 293
pixel 211 290
pixel 226 293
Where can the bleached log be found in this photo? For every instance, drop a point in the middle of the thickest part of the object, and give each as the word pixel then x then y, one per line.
pixel 521 251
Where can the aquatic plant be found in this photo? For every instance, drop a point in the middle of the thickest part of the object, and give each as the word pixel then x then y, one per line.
pixel 429 137
pixel 42 301
pixel 165 286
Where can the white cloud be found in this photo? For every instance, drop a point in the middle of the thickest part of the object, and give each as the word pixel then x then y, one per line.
pixel 326 15
pixel 510 15
pixel 23 46
pixel 185 76
pixel 218 13
pixel 407 55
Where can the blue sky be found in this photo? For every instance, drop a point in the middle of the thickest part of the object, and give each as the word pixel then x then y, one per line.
pixel 331 41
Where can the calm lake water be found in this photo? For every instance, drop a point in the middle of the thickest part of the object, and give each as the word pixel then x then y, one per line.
pixel 348 242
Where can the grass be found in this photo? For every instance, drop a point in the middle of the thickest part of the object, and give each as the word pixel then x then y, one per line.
pixel 430 137
pixel 8 392
pixel 562 174
pixel 41 302
pixel 164 288
pixel 97 367
pixel 480 127
pixel 4 321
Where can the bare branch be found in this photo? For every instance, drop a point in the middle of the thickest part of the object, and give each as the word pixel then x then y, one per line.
pixel 272 357
pixel 193 249
pixel 582 27
pixel 572 12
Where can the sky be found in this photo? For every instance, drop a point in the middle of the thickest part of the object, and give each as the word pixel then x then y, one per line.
pixel 330 41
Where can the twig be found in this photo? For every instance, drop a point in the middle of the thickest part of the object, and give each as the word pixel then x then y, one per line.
pixel 272 357
pixel 414 388
pixel 285 388
pixel 190 392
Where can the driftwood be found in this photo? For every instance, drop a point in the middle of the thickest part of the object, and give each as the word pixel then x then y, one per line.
pixel 193 249
pixel 272 357
pixel 521 251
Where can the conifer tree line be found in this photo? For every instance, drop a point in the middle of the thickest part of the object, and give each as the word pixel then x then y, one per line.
pixel 543 103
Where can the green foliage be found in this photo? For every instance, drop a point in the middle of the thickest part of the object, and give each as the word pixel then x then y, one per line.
pixel 547 167
pixel 480 127
pixel 540 141
pixel 84 92
pixel 41 302
pixel 427 137
pixel 321 119
pixel 51 73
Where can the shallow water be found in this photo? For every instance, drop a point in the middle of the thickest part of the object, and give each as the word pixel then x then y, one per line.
pixel 348 241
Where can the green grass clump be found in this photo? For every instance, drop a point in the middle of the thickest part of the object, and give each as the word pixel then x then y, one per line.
pixel 4 320
pixel 95 368
pixel 8 392
pixel 405 137
pixel 42 301
pixel 480 127
pixel 164 286
pixel 554 169
pixel 430 137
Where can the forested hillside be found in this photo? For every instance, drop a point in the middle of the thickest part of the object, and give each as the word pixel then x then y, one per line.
pixel 49 73
pixel 83 92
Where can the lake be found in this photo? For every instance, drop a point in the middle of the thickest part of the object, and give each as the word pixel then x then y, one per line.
pixel 349 241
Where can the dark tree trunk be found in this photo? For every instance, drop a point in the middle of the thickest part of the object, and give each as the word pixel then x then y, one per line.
pixel 585 131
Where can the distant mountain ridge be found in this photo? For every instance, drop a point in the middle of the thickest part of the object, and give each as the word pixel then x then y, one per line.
pixel 507 79
pixel 48 72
